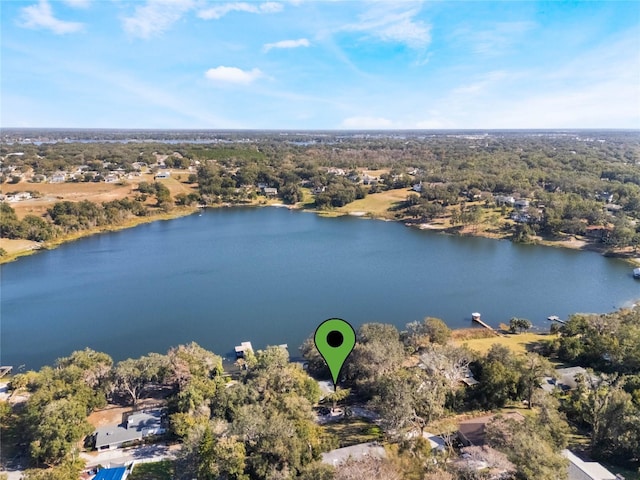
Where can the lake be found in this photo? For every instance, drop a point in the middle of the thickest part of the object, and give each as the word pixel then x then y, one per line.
pixel 271 275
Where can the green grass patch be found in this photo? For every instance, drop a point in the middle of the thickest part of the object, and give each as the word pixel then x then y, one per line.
pixel 351 431
pixel 518 343
pixel 377 204
pixel 162 470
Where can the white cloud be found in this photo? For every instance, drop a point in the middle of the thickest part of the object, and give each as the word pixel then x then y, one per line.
pixel 233 75
pixel 366 123
pixel 155 17
pixel 219 11
pixel 77 3
pixel 41 16
pixel 394 23
pixel 301 42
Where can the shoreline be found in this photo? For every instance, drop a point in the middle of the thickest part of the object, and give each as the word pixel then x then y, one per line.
pixel 571 242
pixel 131 223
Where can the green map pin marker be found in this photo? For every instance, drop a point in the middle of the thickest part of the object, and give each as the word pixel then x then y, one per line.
pixel 335 340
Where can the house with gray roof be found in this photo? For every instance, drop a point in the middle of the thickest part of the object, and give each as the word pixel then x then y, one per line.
pixel 355 452
pixel 137 426
pixel 564 379
pixel 581 470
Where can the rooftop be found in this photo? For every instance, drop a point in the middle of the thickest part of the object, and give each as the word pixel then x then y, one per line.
pixel 581 470
pixel 356 452
pixel 473 431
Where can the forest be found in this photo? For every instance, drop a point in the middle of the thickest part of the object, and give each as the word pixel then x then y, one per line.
pixel 262 421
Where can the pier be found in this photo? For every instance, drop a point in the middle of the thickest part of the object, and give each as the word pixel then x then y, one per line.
pixel 5 370
pixel 475 316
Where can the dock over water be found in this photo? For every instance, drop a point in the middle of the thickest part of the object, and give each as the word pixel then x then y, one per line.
pixel 475 316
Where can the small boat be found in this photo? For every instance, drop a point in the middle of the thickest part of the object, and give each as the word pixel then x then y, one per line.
pixel 636 273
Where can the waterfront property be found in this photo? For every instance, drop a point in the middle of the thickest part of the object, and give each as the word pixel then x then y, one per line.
pixel 137 426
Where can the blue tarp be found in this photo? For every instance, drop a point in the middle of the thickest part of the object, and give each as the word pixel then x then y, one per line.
pixel 111 474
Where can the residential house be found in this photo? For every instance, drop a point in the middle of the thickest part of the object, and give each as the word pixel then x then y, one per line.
pixel 369 180
pixel 111 178
pixel 520 217
pixel 581 470
pixel 612 208
pixel 505 200
pixel 355 452
pixel 598 232
pixel 18 197
pixel 162 175
pixel 604 196
pixel 417 187
pixel 58 177
pixel 564 379
pixel 436 442
pixel 472 431
pixel 521 204
pixel 270 191
pixel 137 426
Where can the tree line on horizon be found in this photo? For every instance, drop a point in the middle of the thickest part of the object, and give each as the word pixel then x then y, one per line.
pixel 569 179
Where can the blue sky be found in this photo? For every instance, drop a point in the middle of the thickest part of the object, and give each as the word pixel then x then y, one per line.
pixel 319 65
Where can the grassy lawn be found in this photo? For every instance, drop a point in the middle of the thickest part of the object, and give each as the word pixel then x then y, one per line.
pixel 377 204
pixel 153 471
pixel 519 343
pixel 351 431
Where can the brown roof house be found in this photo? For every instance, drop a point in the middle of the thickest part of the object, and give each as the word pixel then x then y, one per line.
pixel 472 432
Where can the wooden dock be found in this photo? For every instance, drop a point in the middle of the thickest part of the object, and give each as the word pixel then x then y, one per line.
pixel 476 318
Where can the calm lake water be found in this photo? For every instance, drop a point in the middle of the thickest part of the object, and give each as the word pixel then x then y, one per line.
pixel 271 276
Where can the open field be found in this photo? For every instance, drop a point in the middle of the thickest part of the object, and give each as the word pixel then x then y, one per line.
pixel 518 343
pixel 377 204
pixel 51 193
